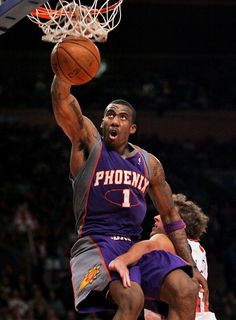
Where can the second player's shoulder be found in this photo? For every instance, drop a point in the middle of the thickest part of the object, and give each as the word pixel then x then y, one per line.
pixel 162 242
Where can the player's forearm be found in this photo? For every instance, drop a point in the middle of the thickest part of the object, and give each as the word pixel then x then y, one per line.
pixel 180 242
pixel 175 229
pixel 66 108
pixel 135 253
pixel 60 89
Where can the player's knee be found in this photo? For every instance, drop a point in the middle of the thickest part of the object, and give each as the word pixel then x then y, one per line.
pixel 129 300
pixel 179 287
pixel 132 300
pixel 187 293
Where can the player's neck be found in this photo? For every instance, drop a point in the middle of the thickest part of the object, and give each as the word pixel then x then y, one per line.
pixel 128 151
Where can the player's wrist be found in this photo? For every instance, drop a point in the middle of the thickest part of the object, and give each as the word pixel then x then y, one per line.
pixel 173 226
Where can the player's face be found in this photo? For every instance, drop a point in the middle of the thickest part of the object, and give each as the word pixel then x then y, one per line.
pixel 158 226
pixel 117 125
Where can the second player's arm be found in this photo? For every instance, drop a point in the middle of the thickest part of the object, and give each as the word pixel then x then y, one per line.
pixel 134 254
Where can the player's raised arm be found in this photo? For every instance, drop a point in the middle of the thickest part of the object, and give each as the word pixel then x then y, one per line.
pixel 74 61
pixel 79 129
pixel 68 114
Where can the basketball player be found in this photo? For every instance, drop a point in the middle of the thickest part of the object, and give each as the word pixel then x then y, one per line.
pixel 110 178
pixel 196 225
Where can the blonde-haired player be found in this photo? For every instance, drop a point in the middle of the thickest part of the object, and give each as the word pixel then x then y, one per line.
pixel 196 225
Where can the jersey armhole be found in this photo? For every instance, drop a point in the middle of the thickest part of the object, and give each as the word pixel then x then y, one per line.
pixel 147 165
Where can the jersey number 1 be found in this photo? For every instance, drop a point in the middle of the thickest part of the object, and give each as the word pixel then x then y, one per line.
pixel 126 200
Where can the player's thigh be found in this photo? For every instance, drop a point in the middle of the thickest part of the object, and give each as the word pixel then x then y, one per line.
pixel 177 286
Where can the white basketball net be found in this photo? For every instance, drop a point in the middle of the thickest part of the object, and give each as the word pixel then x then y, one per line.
pixel 73 18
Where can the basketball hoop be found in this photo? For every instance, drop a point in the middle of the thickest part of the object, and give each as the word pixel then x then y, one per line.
pixel 75 19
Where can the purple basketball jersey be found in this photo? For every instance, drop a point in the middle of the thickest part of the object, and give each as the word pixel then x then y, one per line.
pixel 115 200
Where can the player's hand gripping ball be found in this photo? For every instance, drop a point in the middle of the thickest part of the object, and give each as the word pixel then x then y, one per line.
pixel 76 60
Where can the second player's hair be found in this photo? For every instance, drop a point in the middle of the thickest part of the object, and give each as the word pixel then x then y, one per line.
pixel 195 219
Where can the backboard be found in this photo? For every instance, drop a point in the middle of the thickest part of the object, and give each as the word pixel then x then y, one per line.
pixel 12 11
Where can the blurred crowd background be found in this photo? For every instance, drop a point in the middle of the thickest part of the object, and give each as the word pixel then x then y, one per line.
pixel 185 97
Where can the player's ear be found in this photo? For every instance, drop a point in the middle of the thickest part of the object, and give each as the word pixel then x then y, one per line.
pixel 133 128
pixel 101 125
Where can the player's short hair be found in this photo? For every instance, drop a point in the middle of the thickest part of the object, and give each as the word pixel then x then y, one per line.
pixel 195 219
pixel 127 104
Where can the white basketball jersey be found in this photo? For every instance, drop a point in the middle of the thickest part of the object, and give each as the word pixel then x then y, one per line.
pixel 199 257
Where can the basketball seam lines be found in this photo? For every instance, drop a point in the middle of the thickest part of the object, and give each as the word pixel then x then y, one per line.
pixel 88 50
pixel 75 42
pixel 85 71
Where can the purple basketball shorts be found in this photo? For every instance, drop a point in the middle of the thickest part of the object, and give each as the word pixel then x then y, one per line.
pixel 155 266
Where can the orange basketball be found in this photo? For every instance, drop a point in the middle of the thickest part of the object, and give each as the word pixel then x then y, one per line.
pixel 75 59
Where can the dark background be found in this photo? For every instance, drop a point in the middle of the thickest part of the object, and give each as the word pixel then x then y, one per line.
pixel 156 27
pixel 175 61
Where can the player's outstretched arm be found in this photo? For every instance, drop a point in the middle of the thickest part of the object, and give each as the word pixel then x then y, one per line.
pixel 121 263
